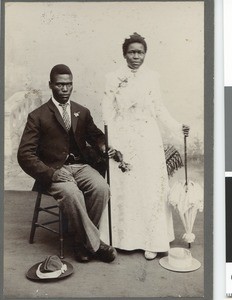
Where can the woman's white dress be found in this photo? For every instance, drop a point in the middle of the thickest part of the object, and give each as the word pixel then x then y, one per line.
pixel 141 215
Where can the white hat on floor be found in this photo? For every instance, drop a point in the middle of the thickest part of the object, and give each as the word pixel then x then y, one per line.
pixel 179 260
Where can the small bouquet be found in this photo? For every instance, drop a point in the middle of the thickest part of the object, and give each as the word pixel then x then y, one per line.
pixel 123 82
pixel 118 157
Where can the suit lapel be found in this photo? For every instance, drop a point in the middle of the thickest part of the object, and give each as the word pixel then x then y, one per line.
pixel 57 113
pixel 74 117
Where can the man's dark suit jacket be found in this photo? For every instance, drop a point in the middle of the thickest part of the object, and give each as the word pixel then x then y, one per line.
pixel 44 144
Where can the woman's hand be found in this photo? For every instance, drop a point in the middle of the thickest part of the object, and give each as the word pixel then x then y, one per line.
pixel 185 129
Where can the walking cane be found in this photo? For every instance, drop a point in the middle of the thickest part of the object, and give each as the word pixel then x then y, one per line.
pixel 185 168
pixel 108 180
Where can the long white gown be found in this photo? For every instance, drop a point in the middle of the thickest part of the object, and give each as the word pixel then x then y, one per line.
pixel 141 215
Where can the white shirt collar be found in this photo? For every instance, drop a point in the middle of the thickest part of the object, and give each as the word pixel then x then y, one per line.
pixel 60 109
pixel 57 103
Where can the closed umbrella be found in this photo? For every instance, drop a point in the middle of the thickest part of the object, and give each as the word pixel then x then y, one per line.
pixel 186 197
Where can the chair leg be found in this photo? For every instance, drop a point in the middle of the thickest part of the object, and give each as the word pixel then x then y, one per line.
pixel 64 223
pixel 61 233
pixel 35 217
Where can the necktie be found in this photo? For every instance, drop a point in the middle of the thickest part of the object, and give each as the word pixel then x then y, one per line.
pixel 65 116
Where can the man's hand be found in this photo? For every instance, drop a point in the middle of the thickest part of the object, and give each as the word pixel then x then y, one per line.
pixel 61 175
pixel 185 129
pixel 111 151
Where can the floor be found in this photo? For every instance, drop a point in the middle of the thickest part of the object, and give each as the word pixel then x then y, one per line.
pixel 130 275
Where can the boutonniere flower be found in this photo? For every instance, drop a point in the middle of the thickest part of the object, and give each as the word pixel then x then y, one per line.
pixel 123 82
pixel 77 114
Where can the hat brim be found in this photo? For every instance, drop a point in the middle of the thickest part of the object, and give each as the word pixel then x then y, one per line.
pixel 194 266
pixel 31 273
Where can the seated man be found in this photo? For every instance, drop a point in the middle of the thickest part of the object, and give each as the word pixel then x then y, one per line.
pixel 53 150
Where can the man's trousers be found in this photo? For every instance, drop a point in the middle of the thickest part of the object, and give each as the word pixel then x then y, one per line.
pixel 83 197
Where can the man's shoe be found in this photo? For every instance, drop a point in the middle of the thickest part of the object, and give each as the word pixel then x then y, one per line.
pixel 81 254
pixel 105 253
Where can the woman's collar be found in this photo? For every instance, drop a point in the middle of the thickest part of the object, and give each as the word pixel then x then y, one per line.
pixel 139 70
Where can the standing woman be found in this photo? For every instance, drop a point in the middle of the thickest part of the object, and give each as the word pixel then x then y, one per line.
pixel 141 215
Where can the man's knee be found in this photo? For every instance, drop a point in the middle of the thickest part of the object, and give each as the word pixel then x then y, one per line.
pixel 103 188
pixel 66 191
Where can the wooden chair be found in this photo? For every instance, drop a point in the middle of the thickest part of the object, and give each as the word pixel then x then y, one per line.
pixel 60 218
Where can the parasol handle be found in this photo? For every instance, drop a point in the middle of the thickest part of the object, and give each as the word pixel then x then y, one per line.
pixel 108 180
pixel 185 160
